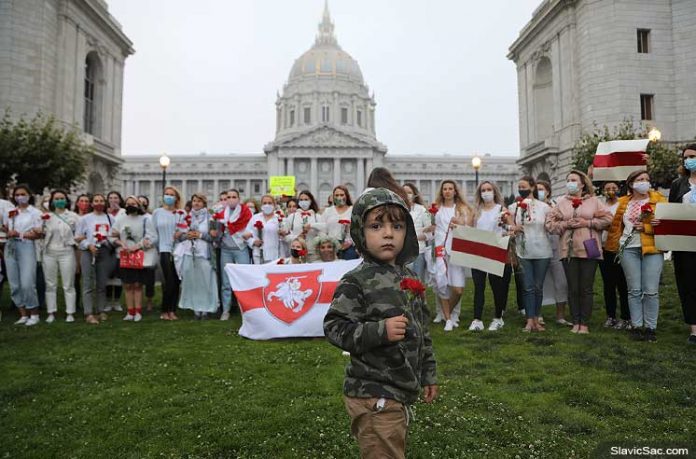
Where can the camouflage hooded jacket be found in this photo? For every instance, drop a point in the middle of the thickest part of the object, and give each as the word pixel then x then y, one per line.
pixel 364 299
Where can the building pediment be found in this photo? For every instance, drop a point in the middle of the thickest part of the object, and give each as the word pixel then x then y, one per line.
pixel 324 137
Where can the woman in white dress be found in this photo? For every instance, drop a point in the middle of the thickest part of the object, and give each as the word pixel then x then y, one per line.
pixel 262 232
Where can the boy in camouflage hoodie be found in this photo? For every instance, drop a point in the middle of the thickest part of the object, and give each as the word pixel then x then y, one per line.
pixel 383 326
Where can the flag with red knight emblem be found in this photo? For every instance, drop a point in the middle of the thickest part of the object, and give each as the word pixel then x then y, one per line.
pixel 616 160
pixel 285 301
pixel 677 228
pixel 479 249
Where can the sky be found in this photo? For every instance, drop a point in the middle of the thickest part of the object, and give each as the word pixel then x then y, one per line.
pixel 205 73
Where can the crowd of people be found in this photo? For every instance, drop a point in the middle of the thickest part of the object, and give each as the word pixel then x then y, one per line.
pixel 105 247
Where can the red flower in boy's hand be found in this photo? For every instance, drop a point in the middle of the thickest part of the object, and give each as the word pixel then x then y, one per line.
pixel 413 286
pixel 45 217
pixel 258 225
pixel 577 202
pixel 344 222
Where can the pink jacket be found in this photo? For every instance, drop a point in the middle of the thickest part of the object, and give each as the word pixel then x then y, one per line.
pixel 590 209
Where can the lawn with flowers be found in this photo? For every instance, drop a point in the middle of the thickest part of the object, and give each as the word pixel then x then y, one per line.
pixel 196 389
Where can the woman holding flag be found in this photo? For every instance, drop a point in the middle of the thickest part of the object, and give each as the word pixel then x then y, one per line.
pixel 631 236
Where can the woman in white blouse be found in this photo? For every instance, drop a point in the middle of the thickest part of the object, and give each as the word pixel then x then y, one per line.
pixel 59 254
pixel 424 229
pixel 263 232
pixel 22 224
pixel 335 222
pixel 304 223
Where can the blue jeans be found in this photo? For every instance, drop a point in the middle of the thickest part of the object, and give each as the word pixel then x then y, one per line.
pixel 418 266
pixel 533 274
pixel 643 280
pixel 20 260
pixel 236 256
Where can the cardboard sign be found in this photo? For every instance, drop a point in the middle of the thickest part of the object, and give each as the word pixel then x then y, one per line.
pixel 282 185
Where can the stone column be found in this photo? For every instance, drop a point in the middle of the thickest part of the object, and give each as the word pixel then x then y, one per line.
pixel 313 177
pixel 291 167
pixel 361 175
pixel 370 166
pixel 248 188
pixel 337 171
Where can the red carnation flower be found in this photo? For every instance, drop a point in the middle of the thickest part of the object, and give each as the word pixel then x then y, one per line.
pixel 188 219
pixel 13 213
pixel 306 214
pixel 519 199
pixel 577 202
pixel 344 222
pixel 646 208
pixel 45 217
pixel 258 225
pixel 433 209
pixel 413 286
pixel 281 261
pixel 100 237
pixel 523 205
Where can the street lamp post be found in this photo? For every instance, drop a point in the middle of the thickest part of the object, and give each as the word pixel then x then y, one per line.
pixel 476 164
pixel 164 164
pixel 654 135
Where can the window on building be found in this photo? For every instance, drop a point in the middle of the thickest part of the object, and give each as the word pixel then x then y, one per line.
pixel 325 114
pixel 644 41
pixel 292 118
pixel 344 115
pixel 307 115
pixel 257 188
pixel 647 106
pixel 89 122
pixel 359 118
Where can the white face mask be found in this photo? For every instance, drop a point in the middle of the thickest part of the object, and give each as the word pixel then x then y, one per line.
pixel 267 209
pixel 304 204
pixel 572 187
pixel 641 187
pixel 487 196
pixel 542 195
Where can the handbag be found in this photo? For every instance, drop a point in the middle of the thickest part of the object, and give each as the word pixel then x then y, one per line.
pixel 591 246
pixel 132 260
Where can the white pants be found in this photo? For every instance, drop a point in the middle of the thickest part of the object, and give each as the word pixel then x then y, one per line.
pixel 52 262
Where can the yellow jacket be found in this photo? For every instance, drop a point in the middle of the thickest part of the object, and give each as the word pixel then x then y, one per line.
pixel 647 237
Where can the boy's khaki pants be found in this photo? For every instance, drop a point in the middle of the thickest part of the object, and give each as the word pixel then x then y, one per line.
pixel 381 433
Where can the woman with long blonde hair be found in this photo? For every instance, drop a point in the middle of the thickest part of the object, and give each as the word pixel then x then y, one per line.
pixel 453 211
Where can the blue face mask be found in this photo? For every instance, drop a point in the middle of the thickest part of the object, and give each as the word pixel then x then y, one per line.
pixel 542 195
pixel 169 200
pixel 572 187
pixel 690 164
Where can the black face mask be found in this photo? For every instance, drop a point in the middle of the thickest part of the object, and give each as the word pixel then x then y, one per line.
pixel 131 210
pixel 294 253
pixel 524 193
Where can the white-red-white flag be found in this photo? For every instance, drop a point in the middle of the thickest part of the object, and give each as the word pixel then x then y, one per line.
pixel 677 228
pixel 616 160
pixel 479 249
pixel 285 301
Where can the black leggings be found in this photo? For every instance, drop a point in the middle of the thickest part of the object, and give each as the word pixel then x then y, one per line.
pixel 684 269
pixel 170 283
pixel 500 287
pixel 580 273
pixel 614 280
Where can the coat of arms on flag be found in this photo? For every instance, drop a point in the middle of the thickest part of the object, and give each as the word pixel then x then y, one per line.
pixel 285 301
pixel 479 249
pixel 615 160
pixel 677 228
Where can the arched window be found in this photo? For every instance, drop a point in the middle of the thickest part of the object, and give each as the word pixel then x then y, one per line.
pixel 90 121
pixel 543 99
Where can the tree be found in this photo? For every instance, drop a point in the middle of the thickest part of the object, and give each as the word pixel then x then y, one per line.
pixel 41 153
pixel 663 159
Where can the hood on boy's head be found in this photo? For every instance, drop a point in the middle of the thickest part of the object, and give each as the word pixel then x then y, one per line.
pixel 379 197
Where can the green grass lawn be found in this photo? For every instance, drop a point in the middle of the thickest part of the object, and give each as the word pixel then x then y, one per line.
pixel 196 389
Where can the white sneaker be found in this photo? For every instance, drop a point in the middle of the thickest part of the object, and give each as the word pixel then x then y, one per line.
pixel 522 312
pixel 345 354
pixel 438 317
pixel 454 317
pixel 129 317
pixel 138 317
pixel 225 316
pixel 541 320
pixel 70 318
pixel 22 320
pixel 449 326
pixel 117 307
pixel 50 319
pixel 496 324
pixel 476 325
pixel 33 320
pixel 108 307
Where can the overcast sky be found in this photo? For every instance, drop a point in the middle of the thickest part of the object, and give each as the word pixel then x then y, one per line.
pixel 205 73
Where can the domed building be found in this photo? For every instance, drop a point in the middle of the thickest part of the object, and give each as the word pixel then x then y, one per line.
pixel 325 120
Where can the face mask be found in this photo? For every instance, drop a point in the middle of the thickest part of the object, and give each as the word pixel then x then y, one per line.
pixel 169 200
pixel 610 194
pixel 294 253
pixel 572 187
pixel 487 196
pixel 21 200
pixel 339 201
pixel 267 209
pixel 98 207
pixel 690 164
pixel 131 210
pixel 641 187
pixel 524 193
pixel 304 205
pixel 83 206
pixel 542 195
pixel 60 203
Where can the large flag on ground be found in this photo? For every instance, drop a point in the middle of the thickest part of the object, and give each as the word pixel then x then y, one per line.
pixel 677 228
pixel 616 160
pixel 285 301
pixel 479 249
